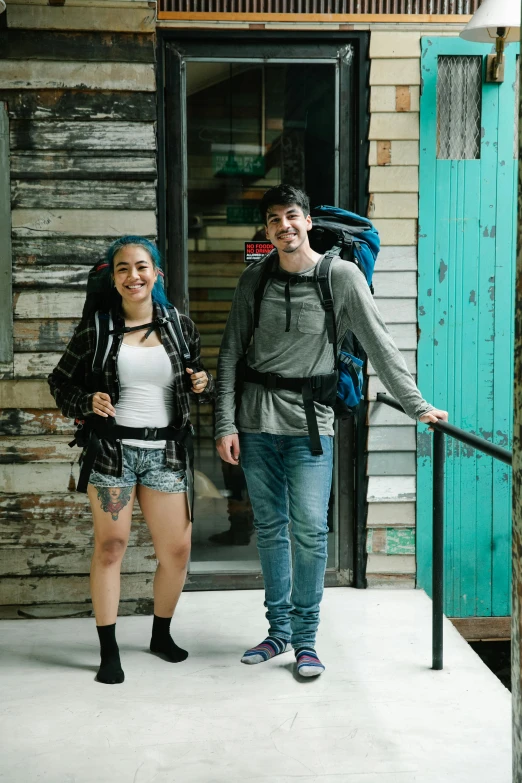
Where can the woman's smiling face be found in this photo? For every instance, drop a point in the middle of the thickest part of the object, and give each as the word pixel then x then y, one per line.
pixel 134 274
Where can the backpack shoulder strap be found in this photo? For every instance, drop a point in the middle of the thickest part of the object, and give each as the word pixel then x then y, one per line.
pixel 104 325
pixel 268 265
pixel 322 276
pixel 172 322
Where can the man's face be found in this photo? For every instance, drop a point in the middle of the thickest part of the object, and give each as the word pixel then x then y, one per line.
pixel 287 227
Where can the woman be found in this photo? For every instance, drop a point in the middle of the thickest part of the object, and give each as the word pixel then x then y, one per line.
pixel 145 386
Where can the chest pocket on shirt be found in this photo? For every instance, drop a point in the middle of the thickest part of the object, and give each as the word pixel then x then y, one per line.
pixel 311 319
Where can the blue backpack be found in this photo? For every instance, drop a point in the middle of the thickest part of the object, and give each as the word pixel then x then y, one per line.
pixel 335 232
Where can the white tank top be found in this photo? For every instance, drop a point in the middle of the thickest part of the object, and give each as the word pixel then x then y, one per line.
pixel 146 381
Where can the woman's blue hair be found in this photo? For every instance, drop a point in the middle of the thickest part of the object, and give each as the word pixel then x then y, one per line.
pixel 158 292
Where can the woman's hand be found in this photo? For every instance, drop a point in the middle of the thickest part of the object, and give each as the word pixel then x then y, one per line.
pixel 199 380
pixel 101 405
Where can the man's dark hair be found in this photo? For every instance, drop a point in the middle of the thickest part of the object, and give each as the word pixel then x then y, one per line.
pixel 284 195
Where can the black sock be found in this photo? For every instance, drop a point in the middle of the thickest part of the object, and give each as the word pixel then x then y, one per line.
pixel 110 671
pixel 163 643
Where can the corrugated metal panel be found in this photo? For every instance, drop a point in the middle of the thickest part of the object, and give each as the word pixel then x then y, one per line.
pixel 321 6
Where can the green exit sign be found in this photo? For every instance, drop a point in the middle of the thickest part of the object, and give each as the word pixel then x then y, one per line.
pixel 238 160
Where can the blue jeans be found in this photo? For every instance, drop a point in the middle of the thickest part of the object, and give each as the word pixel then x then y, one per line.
pixel 286 483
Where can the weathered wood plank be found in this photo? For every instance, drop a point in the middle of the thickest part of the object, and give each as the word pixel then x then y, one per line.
pixel 62 46
pixel 26 394
pixel 382 415
pixel 375 385
pixel 79 194
pixel 29 75
pixel 390 463
pixel 387 582
pixel 386 514
pixel 38 478
pixel 55 277
pixel 34 365
pixel 395 284
pixel 6 313
pixel 396 258
pixel 6 370
pixel 80 105
pixel 60 250
pixel 134 19
pixel 30 165
pixel 96 136
pixel 42 335
pixel 28 508
pixel 391 541
pixel 14 450
pixel 398 311
pixel 391 564
pixel 63 533
pixel 392 438
pixel 16 421
pixel 390 489
pixel 46 561
pixel 48 304
pixel 73 588
pixel 79 222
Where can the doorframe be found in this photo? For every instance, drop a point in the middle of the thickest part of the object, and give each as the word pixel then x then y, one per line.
pixel 174 45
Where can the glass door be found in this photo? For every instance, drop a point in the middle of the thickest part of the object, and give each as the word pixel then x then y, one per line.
pixel 244 125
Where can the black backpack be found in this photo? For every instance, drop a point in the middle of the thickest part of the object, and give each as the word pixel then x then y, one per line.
pixel 101 302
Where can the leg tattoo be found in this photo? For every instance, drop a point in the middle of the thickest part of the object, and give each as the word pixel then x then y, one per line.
pixel 114 499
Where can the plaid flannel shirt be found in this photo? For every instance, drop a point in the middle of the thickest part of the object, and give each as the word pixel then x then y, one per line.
pixel 69 383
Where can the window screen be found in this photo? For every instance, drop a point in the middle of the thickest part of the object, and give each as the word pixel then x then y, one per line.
pixel 459 93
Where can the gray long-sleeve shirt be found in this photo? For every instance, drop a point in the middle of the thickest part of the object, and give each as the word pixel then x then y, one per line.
pixel 302 351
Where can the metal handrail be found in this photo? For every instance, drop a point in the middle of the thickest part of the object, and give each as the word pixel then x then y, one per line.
pixel 440 429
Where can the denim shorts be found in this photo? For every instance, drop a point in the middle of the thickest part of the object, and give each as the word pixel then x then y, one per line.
pixel 147 467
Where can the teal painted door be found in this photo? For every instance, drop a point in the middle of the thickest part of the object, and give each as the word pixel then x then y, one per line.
pixel 467 215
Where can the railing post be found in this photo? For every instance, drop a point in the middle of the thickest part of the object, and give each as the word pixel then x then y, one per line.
pixel 438 548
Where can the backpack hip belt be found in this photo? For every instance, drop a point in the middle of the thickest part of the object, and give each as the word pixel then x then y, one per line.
pixel 317 388
pixel 93 431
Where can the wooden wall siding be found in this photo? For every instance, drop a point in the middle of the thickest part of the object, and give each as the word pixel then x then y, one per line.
pixel 81 109
pixel 103 16
pixel 393 206
pixel 6 316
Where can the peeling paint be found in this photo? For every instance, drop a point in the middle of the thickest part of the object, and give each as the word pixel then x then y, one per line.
pixel 493 232
pixel 485 233
pixel 502 438
pixel 473 297
pixel 424 444
pixel 435 342
pixel 442 271
pixel 429 292
pixel 422 311
pixel 441 322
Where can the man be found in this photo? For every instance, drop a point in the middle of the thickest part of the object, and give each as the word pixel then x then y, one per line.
pixel 286 482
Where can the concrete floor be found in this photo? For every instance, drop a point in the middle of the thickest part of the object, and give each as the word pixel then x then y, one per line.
pixel 377 715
